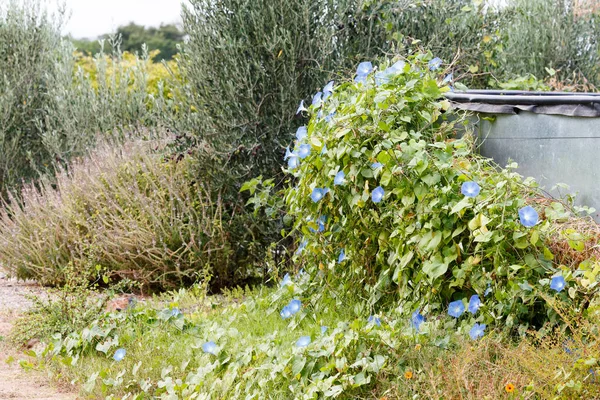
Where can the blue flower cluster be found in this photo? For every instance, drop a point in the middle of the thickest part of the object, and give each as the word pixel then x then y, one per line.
pixel 558 283
pixel 321 221
pixel 318 193
pixel 340 179
pixel 292 308
pixel 528 217
pixel 416 320
pixel 303 150
pixel 435 63
pixel 286 281
pixel 303 341
pixel 210 348
pixel 457 308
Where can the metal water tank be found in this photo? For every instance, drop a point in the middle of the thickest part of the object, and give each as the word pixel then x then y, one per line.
pixel 553 136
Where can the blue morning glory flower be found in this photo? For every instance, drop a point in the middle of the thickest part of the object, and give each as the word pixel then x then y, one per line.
pixel 384 77
pixel 558 283
pixel 381 78
pixel 302 246
pixel 317 101
pixel 303 341
pixel 288 153
pixel 301 133
pixel 304 151
pixel 328 87
pixel 528 216
pixel 286 280
pixel 295 306
pixel 285 312
pixel 416 320
pixel 119 354
pixel 569 350
pixel 210 347
pixel 456 308
pixel 364 68
pixel 329 117
pixel 317 194
pixel 361 79
pixel 323 329
pixel 470 189
pixel 477 331
pixel 301 107
pixel 377 194
pixel 321 221
pixel 376 165
pixel 375 320
pixel 397 67
pixel 448 78
pixel 341 257
pixel 327 90
pixel 340 178
pixel 435 63
pixel 175 312
pixel 293 162
pixel 474 304
pixel 488 290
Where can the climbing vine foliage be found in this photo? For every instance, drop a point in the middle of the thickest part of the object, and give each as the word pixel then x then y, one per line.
pixel 391 202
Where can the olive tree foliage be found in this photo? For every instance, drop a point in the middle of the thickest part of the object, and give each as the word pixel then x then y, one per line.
pixel 32 56
pixel 554 34
pixel 249 63
pixel 50 109
pixel 491 41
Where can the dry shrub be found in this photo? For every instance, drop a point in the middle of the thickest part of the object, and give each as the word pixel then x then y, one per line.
pixel 566 231
pixel 585 8
pixel 576 82
pixel 566 254
pixel 476 370
pixel 562 363
pixel 124 208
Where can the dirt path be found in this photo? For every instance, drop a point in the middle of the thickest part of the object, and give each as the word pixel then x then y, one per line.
pixel 15 383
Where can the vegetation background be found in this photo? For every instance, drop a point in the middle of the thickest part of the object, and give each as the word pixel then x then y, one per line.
pixel 150 136
pixel 228 99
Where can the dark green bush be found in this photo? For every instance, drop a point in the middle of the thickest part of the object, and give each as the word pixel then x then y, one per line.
pixel 244 68
pixel 490 43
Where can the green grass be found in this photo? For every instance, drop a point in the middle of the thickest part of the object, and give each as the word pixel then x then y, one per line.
pixel 258 358
pixel 257 348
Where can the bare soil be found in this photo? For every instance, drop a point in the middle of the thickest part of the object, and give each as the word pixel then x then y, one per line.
pixel 15 382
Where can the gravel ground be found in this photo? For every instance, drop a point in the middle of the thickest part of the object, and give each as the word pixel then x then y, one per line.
pixel 15 383
pixel 13 294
